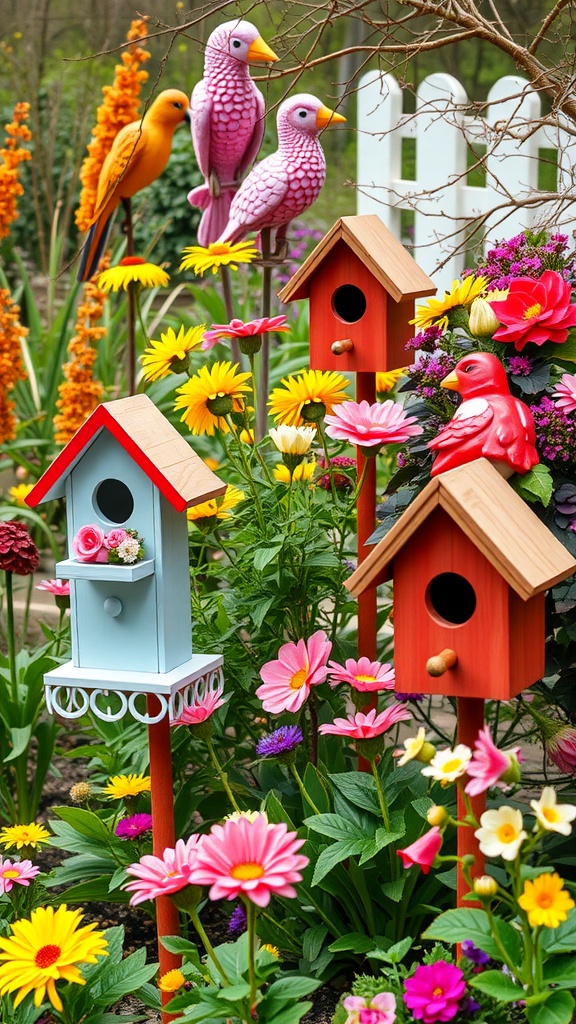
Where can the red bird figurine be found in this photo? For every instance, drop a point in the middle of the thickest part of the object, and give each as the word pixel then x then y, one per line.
pixel 490 423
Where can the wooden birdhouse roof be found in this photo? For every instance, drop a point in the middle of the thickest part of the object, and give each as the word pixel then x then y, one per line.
pixel 497 521
pixel 386 258
pixel 151 440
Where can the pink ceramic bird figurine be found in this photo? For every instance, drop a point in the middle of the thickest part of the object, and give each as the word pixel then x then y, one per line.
pixel 490 423
pixel 227 113
pixel 286 183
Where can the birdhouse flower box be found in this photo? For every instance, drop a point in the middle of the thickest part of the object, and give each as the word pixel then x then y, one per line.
pixel 127 476
pixel 361 283
pixel 470 564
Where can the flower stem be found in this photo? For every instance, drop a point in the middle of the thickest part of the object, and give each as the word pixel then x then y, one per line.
pixel 251 929
pixel 208 945
pixel 381 797
pixel 11 636
pixel 221 774
pixel 302 789
pixel 229 307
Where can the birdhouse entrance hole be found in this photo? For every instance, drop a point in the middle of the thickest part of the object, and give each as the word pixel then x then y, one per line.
pixel 451 597
pixel 113 501
pixel 349 303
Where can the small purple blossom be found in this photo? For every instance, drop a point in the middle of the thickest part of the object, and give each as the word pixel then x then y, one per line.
pixel 473 953
pixel 407 698
pixel 281 741
pixel 520 366
pixel 528 255
pixel 134 826
pixel 426 340
pixel 555 436
pixel 342 481
pixel 469 1006
pixel 238 921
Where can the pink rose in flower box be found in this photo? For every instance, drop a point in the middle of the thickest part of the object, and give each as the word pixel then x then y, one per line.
pixel 88 544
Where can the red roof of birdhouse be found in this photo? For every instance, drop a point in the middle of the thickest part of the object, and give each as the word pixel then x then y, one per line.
pixel 380 251
pixel 497 521
pixel 151 440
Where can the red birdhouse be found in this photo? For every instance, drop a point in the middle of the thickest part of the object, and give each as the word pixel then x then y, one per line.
pixel 470 563
pixel 361 283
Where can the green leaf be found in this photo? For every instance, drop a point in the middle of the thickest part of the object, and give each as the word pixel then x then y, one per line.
pixel 233 993
pixel 497 985
pixel 332 856
pixel 558 1009
pixel 312 942
pixel 536 485
pixel 561 939
pixel 359 789
pixel 123 978
pixel 315 786
pixel 459 925
pixel 354 941
pixel 176 944
pixel 291 1014
pixel 561 970
pixel 265 555
pixel 566 352
pixel 335 826
pixel 292 987
pixel 275 811
pixel 393 890
pixel 19 740
pixel 86 823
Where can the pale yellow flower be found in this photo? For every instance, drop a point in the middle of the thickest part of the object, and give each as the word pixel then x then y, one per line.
pixel 552 816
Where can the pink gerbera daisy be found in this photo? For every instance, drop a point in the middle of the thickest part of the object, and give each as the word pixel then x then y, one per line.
pixel 363 675
pixel 252 858
pixel 206 698
pixel 367 727
pixel 239 329
pixel 18 872
pixel 490 766
pixel 371 426
pixel 565 393
pixel 287 681
pixel 60 588
pixel 159 876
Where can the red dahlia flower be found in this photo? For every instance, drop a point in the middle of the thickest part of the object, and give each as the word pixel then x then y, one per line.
pixel 18 552
pixel 536 311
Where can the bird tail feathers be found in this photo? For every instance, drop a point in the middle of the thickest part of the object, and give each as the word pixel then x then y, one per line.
pixel 93 250
pixel 216 210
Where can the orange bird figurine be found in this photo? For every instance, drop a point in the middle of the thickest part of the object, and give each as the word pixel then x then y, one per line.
pixel 138 155
pixel 490 423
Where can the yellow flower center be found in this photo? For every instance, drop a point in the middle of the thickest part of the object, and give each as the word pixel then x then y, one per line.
pixel 532 311
pixel 46 956
pixel 298 679
pixel 219 249
pixel 453 765
pixel 246 872
pixel 10 873
pixel 438 991
pixel 366 679
pixel 507 833
pixel 551 814
pixel 545 900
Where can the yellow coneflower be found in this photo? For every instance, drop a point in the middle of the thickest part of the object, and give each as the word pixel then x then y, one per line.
pixel 12 156
pixel 172 353
pixel 218 254
pixel 133 270
pixel 308 397
pixel 120 786
pixel 79 392
pixel 121 106
pixel 211 395
pixel 11 363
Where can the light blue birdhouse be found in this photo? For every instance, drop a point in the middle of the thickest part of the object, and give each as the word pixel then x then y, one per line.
pixel 128 468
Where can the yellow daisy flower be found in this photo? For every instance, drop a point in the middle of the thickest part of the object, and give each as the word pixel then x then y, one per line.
pixel 218 254
pixel 32 835
pixel 308 397
pixel 209 396
pixel 305 471
pixel 386 380
pixel 18 494
pixel 462 293
pixel 218 508
pixel 545 901
pixel 46 948
pixel 132 270
pixel 171 981
pixel 172 353
pixel 120 786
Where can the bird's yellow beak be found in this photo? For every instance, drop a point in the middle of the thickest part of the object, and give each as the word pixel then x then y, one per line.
pixel 451 382
pixel 326 116
pixel 260 53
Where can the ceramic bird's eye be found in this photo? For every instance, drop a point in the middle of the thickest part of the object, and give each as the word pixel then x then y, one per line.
pixel 178 105
pixel 468 369
pixel 302 113
pixel 236 44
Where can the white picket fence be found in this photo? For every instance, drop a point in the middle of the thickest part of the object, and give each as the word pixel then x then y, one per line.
pixel 446 209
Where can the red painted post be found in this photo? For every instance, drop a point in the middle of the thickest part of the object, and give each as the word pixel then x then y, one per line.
pixel 163 831
pixel 469 719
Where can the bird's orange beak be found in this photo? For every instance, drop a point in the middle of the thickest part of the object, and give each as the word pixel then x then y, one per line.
pixel 326 116
pixel 260 53
pixel 451 382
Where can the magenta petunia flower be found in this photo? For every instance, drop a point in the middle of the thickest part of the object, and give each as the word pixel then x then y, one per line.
pixel 239 329
pixel 134 826
pixel 159 876
pixel 254 858
pixel 380 1009
pixel 206 698
pixel 561 749
pixel 18 872
pixel 371 426
pixel 566 393
pixel 434 991
pixel 489 765
pixel 536 310
pixel 363 675
pixel 423 852
pixel 287 681
pixel 60 588
pixel 367 727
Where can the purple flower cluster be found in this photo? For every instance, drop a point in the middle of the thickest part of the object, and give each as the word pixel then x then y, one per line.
pixel 427 340
pixel 565 507
pixel 473 953
pixel 342 481
pixel 281 741
pixel 555 435
pixel 428 372
pixel 520 366
pixel 527 255
pixel 238 920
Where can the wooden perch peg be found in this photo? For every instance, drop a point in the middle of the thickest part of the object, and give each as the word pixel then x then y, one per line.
pixel 340 347
pixel 440 663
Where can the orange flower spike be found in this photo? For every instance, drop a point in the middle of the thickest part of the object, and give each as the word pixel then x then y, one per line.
pixel 12 155
pixel 11 364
